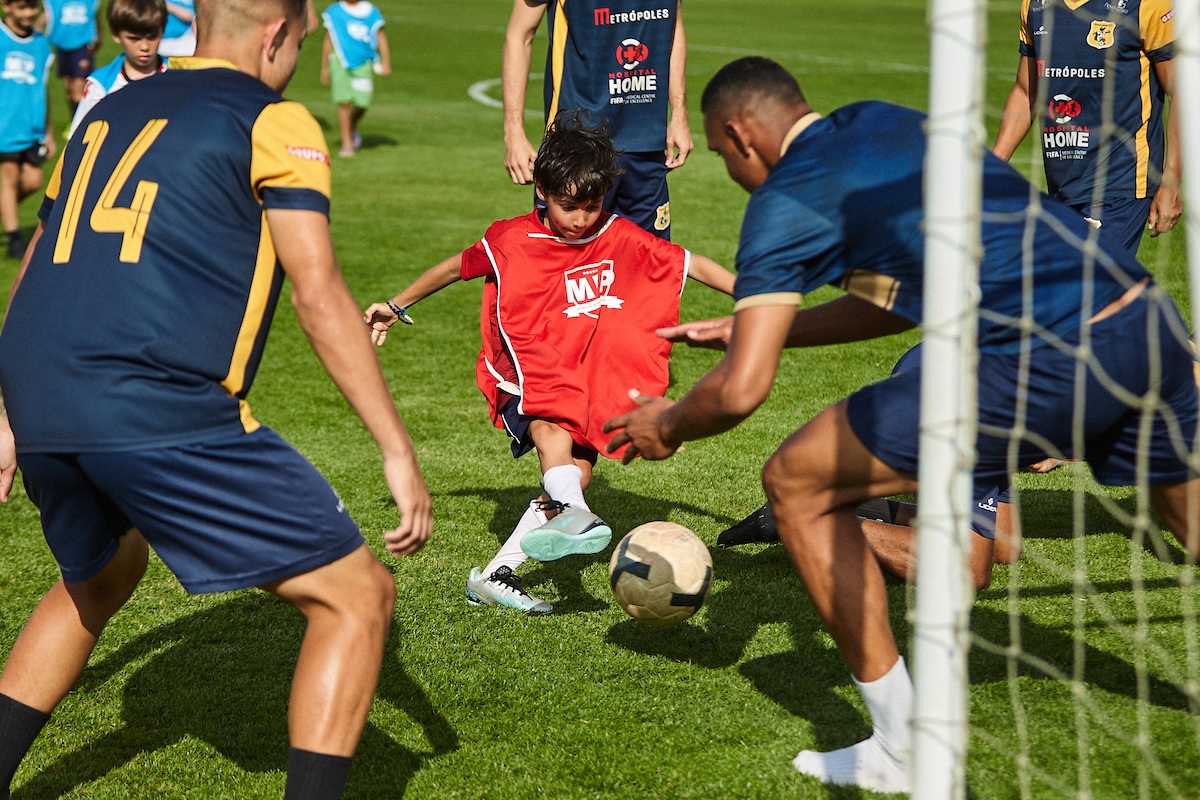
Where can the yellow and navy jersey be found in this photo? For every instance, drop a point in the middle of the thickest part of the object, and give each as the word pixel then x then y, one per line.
pixel 613 58
pixel 1078 46
pixel 142 316
pixel 843 207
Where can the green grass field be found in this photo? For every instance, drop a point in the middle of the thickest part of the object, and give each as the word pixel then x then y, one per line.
pixel 186 696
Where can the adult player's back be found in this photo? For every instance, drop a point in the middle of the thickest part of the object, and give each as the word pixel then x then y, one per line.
pixel 159 231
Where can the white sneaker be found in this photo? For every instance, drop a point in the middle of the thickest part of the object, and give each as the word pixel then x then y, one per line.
pixel 573 531
pixel 503 588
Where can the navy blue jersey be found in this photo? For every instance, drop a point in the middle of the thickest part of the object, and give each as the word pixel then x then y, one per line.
pixel 142 316
pixel 613 57
pixel 1079 46
pixel 843 206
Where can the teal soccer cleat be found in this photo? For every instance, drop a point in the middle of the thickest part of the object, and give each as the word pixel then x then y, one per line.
pixel 573 531
pixel 503 588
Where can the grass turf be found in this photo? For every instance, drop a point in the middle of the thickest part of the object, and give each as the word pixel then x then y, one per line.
pixel 186 697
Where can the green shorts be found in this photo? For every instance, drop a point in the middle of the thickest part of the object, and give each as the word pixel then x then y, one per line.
pixel 351 85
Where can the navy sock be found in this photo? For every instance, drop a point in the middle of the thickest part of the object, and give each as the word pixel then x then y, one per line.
pixel 315 776
pixel 19 726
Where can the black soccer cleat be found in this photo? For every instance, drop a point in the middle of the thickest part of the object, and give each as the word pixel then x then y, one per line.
pixel 758 528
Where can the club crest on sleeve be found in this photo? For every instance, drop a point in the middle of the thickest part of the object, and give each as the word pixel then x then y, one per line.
pixel 588 289
pixel 309 154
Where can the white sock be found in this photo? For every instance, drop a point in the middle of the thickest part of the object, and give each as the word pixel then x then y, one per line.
pixel 565 484
pixel 511 555
pixel 881 763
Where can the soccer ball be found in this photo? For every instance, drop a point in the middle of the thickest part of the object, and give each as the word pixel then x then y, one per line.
pixel 660 573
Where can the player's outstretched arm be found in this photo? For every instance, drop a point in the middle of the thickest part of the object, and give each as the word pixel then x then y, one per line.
pixel 1017 117
pixel 725 396
pixel 846 319
pixel 382 316
pixel 519 154
pixel 679 133
pixel 330 318
pixel 385 55
pixel 711 274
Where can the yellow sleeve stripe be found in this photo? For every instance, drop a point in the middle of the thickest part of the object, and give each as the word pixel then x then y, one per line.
pixel 289 151
pixel 256 309
pixel 55 184
pixel 558 51
pixel 1026 36
pixel 771 299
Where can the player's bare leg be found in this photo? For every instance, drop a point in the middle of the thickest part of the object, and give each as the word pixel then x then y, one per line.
pixel 1007 547
pixel 895 549
pixel 74 88
pixel 349 115
pixel 54 646
pixel 1179 506
pixel 814 481
pixel 348 606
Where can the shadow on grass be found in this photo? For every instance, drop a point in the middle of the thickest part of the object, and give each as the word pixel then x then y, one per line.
pixel 222 676
pixel 1044 512
pixel 622 510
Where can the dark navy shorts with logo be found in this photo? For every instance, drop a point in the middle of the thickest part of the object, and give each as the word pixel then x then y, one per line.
pixel 225 514
pixel 1146 338
pixel 640 193
pixel 1122 219
pixel 77 63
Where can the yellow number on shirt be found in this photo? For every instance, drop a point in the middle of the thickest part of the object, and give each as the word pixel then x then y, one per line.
pixel 106 216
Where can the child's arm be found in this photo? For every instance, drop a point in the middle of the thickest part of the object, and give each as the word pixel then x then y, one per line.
pixel 711 274
pixel 181 12
pixel 385 55
pixel 326 49
pixel 381 317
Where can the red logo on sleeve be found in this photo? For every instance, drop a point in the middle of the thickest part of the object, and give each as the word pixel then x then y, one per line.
pixel 309 154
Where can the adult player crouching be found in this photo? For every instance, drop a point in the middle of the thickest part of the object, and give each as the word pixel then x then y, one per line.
pixel 838 200
pixel 138 418
pixel 572 300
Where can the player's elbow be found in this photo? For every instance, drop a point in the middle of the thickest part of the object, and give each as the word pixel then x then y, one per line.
pixel 740 398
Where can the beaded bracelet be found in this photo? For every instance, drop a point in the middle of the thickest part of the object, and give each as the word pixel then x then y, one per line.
pixel 401 313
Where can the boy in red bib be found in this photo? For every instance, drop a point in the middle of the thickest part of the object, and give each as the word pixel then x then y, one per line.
pixel 572 300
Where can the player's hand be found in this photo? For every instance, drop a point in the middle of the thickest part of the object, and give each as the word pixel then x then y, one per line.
pixel 414 503
pixel 1164 211
pixel 385 69
pixel 381 319
pixel 519 156
pixel 679 142
pixel 324 75
pixel 8 459
pixel 711 333
pixel 640 430
pixel 51 145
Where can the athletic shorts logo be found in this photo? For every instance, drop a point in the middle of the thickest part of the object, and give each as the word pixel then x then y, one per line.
pixel 662 219
pixel 309 154
pixel 1167 16
pixel 631 52
pixel 1102 35
pixel 1064 108
pixel 588 287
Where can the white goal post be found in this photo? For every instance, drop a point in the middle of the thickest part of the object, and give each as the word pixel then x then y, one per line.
pixel 944 592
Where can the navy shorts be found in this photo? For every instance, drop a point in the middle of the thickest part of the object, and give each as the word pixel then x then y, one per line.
pixel 77 63
pixel 35 155
pixel 983 515
pixel 516 425
pixel 885 415
pixel 225 514
pixel 639 193
pixel 1122 219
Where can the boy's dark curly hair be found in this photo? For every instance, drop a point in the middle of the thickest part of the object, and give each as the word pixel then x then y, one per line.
pixel 576 160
